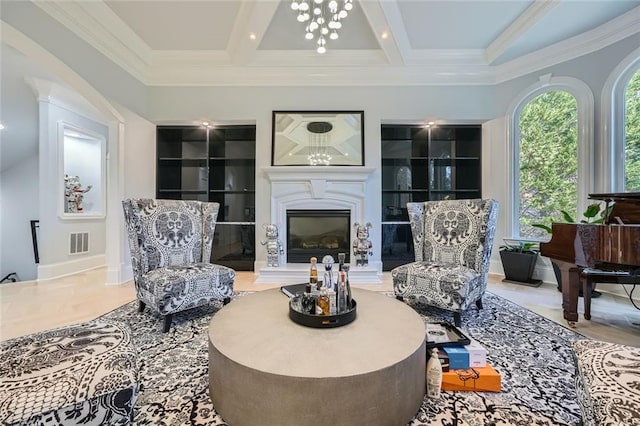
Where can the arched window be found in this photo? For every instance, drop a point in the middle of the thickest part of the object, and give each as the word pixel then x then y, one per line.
pixel 620 150
pixel 632 134
pixel 548 160
pixel 551 154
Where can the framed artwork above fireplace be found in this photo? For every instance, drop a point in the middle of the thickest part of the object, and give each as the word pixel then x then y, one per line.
pixel 318 138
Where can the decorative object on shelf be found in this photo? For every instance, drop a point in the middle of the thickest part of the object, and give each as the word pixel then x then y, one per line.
pixel 519 261
pixel 318 138
pixel 323 18
pixel 73 194
pixel 274 245
pixel 362 247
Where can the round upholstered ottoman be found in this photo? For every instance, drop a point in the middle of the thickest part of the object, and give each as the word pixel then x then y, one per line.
pixel 80 374
pixel 607 377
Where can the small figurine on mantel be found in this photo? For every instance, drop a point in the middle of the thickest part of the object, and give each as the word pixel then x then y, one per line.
pixel 362 247
pixel 274 245
pixel 73 194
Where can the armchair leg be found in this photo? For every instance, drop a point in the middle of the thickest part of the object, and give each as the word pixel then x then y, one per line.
pixel 456 319
pixel 479 303
pixel 167 322
pixel 141 306
pixel 226 300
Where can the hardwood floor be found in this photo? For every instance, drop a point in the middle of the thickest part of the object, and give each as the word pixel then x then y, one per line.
pixel 35 306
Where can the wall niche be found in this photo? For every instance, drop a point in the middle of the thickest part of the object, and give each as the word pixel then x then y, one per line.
pixel 82 173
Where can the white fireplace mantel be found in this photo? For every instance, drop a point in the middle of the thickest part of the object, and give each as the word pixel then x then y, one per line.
pixel 317 187
pixel 306 173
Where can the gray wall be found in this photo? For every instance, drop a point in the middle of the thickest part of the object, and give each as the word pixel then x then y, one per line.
pixel 18 185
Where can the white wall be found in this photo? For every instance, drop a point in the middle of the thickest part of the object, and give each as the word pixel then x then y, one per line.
pixel 139 164
pixel 19 189
pixel 54 230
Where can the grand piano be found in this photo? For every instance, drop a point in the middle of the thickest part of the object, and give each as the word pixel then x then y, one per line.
pixel 610 250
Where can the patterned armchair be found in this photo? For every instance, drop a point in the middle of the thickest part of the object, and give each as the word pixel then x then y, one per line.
pixel 453 240
pixel 170 243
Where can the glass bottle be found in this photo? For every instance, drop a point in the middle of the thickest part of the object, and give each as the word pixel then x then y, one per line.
pixel 323 301
pixel 313 272
pixel 347 286
pixel 309 300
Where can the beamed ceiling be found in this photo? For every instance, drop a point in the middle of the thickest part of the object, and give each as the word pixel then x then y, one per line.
pixel 390 42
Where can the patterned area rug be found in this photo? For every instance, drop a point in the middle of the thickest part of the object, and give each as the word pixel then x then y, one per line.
pixel 532 354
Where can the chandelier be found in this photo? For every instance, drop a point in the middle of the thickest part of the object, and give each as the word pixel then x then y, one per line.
pixel 322 17
pixel 319 143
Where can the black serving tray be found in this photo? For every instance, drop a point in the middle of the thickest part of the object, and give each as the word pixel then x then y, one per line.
pixel 442 334
pixel 322 321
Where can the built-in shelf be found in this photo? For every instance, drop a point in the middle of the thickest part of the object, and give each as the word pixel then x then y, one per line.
pixel 214 164
pixel 420 164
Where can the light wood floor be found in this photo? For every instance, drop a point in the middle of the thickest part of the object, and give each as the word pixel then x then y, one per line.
pixel 35 306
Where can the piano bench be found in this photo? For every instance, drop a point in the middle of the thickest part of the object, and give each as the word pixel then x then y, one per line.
pixel 590 276
pixel 606 381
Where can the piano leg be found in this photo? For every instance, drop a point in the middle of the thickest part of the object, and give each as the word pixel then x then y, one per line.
pixel 587 288
pixel 570 290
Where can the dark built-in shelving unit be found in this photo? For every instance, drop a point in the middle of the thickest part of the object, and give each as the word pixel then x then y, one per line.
pixel 423 164
pixel 214 164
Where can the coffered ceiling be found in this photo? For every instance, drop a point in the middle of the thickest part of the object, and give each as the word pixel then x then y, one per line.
pixel 248 42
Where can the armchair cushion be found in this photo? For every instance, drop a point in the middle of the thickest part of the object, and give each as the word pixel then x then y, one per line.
pixel 447 285
pixel 176 288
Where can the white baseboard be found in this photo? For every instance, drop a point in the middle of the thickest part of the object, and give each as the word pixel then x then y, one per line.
pixel 63 269
pixel 119 275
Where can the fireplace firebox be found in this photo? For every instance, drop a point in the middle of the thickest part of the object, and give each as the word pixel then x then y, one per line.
pixel 317 233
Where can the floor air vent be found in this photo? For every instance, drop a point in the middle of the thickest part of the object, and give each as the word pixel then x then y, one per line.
pixel 78 242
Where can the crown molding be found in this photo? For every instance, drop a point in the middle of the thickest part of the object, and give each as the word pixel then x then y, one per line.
pixel 453 57
pixel 329 76
pixel 97 24
pixel 613 31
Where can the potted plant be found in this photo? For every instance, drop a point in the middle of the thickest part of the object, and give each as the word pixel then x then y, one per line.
pixel 518 261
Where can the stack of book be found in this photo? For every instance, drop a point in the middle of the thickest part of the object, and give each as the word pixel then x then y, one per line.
pixel 463 360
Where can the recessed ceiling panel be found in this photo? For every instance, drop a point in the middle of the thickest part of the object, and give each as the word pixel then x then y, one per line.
pixel 457 24
pixel 286 33
pixel 179 25
pixel 568 19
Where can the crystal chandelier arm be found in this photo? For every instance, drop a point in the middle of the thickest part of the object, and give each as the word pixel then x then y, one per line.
pixel 322 15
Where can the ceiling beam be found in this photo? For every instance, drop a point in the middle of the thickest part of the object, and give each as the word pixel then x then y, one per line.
pixel 397 31
pixel 250 25
pixel 533 14
pixel 388 29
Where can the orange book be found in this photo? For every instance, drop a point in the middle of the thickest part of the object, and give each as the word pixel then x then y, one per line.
pixel 479 379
